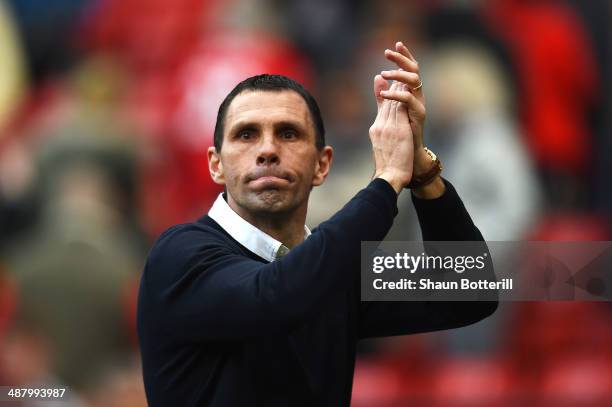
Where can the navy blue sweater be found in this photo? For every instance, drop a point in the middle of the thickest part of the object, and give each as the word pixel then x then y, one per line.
pixel 220 326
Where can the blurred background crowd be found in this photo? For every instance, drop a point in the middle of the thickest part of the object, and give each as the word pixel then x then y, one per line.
pixel 107 108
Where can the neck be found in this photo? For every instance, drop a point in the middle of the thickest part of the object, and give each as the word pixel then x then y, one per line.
pixel 286 227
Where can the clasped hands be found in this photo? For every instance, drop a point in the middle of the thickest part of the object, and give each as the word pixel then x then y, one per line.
pixel 397 131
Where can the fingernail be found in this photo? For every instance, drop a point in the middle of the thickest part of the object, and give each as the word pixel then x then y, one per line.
pixel 385 73
pixel 384 92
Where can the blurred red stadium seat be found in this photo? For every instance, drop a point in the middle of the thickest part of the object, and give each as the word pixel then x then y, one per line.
pixel 8 302
pixel 471 381
pixel 583 381
pixel 375 384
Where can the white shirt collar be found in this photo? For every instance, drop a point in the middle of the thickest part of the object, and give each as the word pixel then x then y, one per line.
pixel 254 239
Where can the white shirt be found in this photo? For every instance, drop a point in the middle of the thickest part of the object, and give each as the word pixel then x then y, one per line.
pixel 254 239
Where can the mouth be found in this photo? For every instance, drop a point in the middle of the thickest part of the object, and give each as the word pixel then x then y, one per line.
pixel 266 180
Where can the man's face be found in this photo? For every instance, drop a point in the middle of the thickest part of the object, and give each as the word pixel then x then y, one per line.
pixel 269 161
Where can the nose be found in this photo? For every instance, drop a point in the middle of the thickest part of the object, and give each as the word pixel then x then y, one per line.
pixel 268 151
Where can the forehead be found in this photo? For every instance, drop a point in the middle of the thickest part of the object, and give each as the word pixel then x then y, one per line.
pixel 264 106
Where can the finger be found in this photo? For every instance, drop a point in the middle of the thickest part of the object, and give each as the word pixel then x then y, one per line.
pixel 402 61
pixel 403 114
pixel 393 116
pixel 402 49
pixel 386 105
pixel 379 84
pixel 413 104
pixel 411 79
pixel 404 88
pixel 385 111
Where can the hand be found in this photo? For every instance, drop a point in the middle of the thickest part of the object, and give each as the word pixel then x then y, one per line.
pixel 414 99
pixel 391 136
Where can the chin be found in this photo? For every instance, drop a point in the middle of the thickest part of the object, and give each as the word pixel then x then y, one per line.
pixel 271 200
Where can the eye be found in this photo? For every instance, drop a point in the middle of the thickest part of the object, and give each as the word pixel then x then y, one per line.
pixel 245 135
pixel 289 134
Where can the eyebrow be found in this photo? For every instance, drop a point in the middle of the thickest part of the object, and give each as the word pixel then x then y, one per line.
pixel 288 124
pixel 284 124
pixel 242 126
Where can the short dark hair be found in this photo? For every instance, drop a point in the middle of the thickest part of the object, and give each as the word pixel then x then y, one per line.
pixel 273 83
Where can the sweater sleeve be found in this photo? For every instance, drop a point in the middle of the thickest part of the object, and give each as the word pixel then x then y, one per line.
pixel 441 219
pixel 195 288
pixel 445 218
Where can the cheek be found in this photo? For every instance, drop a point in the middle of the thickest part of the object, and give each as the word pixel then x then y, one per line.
pixel 231 173
pixel 232 177
pixel 308 168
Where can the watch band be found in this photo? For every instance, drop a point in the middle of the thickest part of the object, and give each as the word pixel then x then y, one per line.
pixel 427 177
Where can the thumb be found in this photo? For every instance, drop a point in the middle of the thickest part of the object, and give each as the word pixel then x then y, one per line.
pixel 380 83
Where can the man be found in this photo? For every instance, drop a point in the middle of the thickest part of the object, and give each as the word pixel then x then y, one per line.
pixel 246 306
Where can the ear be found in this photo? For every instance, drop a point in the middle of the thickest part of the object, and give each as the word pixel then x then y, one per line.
pixel 324 163
pixel 215 166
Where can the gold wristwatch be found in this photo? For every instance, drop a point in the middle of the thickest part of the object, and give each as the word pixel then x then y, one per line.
pixel 420 180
